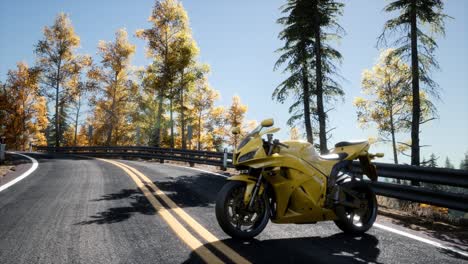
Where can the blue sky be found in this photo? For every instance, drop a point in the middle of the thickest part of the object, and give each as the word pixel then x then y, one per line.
pixel 238 40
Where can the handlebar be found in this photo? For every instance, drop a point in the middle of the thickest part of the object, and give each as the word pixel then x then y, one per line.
pixel 278 143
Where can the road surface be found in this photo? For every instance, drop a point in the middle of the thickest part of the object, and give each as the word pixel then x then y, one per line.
pixel 79 210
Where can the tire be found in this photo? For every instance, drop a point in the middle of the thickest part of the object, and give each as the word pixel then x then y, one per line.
pixel 367 217
pixel 225 196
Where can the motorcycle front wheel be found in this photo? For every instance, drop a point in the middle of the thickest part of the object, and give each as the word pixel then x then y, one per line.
pixel 356 221
pixel 233 216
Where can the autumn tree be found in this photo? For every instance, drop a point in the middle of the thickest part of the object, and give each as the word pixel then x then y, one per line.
pixel 215 128
pixel 386 84
pixel 202 99
pixel 165 40
pixel 235 118
pixel 146 117
pixel 114 96
pixel 80 89
pixel 24 109
pixel 414 44
pixel 294 134
pixel 58 63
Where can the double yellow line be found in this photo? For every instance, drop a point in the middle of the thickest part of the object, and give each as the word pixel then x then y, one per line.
pixel 152 192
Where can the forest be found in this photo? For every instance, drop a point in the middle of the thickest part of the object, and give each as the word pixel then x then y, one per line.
pixel 170 102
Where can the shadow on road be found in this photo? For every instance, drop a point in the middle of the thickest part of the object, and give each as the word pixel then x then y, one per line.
pixel 138 205
pixel 337 248
pixel 192 191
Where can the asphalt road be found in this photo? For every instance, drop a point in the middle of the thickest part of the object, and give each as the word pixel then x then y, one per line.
pixel 79 210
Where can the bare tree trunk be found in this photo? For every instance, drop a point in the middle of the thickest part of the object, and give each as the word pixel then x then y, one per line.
pixel 112 114
pixel 172 121
pixel 182 113
pixel 199 130
pixel 57 115
pixel 157 136
pixel 76 117
pixel 416 115
pixel 319 77
pixel 306 101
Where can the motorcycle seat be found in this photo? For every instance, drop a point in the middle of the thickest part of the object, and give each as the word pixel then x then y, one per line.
pixel 349 143
pixel 334 156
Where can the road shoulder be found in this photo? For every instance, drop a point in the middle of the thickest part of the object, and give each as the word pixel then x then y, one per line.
pixel 15 166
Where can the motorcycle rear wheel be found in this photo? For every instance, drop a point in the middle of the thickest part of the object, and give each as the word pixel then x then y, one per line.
pixel 357 221
pixel 234 218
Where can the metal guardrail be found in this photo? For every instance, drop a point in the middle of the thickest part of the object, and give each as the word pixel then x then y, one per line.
pixel 421 194
pixel 191 156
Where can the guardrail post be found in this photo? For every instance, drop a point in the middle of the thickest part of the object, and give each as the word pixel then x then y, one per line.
pixel 225 155
pixel 2 153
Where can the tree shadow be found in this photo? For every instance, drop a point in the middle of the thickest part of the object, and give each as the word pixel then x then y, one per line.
pixel 138 205
pixel 192 191
pixel 338 248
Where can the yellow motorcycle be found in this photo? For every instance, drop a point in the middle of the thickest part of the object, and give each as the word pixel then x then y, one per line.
pixel 288 182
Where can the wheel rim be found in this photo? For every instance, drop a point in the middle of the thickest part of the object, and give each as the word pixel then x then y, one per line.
pixel 360 217
pixel 237 214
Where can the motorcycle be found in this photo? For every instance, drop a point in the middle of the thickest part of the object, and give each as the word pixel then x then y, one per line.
pixel 288 182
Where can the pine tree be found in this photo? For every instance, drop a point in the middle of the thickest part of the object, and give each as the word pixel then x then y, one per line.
pixel 296 53
pixel 415 45
pixel 464 162
pixel 311 60
pixel 448 164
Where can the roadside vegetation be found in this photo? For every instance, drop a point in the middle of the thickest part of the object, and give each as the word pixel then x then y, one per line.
pixel 168 103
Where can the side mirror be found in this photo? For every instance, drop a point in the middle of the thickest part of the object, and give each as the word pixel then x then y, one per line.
pixel 235 131
pixel 267 122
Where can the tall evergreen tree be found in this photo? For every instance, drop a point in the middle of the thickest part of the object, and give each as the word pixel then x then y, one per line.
pixel 297 55
pixel 448 164
pixel 464 162
pixel 310 26
pixel 325 28
pixel 413 44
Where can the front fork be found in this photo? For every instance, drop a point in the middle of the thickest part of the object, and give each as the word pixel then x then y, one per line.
pixel 255 191
pixel 253 187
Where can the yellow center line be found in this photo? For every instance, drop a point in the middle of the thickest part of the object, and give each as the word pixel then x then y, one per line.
pixel 176 226
pixel 197 227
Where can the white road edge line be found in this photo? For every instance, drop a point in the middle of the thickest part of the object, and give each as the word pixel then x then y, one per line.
pixel 197 169
pixel 34 166
pixel 386 228
pixel 421 239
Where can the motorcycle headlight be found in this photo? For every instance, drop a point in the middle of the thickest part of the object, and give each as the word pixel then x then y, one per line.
pixel 247 156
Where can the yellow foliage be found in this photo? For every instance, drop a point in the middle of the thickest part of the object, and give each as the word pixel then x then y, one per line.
pixel 26 112
pixel 114 99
